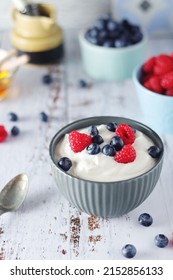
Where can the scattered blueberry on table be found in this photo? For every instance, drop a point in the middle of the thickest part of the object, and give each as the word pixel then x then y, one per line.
pixel 65 163
pixel 82 84
pixel 129 251
pixel 107 32
pixel 145 219
pixel 15 131
pixel 47 79
pixel 161 240
pixel 12 117
pixel 43 117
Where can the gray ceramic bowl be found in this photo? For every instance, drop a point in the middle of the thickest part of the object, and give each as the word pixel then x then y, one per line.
pixel 106 199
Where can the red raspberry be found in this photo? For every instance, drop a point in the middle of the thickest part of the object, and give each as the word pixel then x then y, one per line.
pixel 3 133
pixel 149 64
pixel 79 141
pixel 145 78
pixel 126 133
pixel 155 84
pixel 126 154
pixel 163 64
pixel 167 80
pixel 148 85
pixel 169 92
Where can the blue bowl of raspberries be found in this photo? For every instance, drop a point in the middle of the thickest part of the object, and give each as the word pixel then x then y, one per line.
pixel 111 49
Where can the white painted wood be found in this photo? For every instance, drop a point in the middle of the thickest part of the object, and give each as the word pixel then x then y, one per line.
pixel 47 226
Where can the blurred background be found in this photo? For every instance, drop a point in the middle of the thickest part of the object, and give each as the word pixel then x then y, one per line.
pixel 154 15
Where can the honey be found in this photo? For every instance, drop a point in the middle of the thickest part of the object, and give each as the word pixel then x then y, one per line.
pixel 5 81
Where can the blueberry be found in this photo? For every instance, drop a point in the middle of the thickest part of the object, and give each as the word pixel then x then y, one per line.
pixel 82 84
pixel 145 219
pixel 15 131
pixel 100 24
pixel 12 117
pixel 98 139
pixel 43 117
pixel 92 130
pixel 65 163
pixel 112 25
pixel 47 79
pixel 111 126
pixel 93 149
pixel 154 151
pixel 129 251
pixel 117 142
pixel 108 43
pixel 109 150
pixel 161 240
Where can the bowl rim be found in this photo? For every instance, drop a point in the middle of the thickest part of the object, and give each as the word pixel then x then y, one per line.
pixel 136 72
pixel 53 143
pixel 82 39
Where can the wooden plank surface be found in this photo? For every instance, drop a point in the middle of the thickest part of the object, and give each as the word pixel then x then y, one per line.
pixel 47 226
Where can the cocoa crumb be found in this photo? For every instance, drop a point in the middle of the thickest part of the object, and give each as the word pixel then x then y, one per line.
pixel 1 230
pixel 94 238
pixel 64 252
pixel 75 227
pixel 93 223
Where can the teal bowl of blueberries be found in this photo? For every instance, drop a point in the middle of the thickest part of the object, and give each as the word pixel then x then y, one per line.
pixel 110 49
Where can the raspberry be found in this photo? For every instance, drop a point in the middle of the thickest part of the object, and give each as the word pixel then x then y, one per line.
pixel 169 92
pixel 126 133
pixel 79 141
pixel 148 85
pixel 3 133
pixel 155 84
pixel 149 64
pixel 126 154
pixel 167 80
pixel 163 64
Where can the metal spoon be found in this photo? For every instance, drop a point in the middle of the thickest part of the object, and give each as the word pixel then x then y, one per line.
pixel 14 193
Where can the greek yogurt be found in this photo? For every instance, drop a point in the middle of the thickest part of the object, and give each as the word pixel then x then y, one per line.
pixel 102 168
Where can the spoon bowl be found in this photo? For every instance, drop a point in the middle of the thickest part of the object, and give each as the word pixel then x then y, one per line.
pixel 14 193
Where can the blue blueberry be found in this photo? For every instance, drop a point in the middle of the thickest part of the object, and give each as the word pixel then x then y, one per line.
pixel 65 163
pixel 43 117
pixel 109 150
pixel 111 126
pixel 82 84
pixel 108 43
pixel 161 240
pixel 15 131
pixel 145 219
pixel 98 139
pixel 154 151
pixel 129 251
pixel 93 149
pixel 12 117
pixel 47 79
pixel 117 142
pixel 92 130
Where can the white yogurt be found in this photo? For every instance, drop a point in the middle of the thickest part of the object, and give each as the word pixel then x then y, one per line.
pixel 104 168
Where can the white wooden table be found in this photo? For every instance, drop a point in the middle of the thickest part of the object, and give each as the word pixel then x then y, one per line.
pixel 46 226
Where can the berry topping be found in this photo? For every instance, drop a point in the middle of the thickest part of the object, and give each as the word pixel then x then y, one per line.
pixel 93 149
pixel 163 64
pixel 65 163
pixel 12 117
pixel 129 251
pixel 15 131
pixel 3 133
pixel 126 154
pixel 92 130
pixel 98 139
pixel 43 117
pixel 117 142
pixel 154 151
pixel 47 79
pixel 108 150
pixel 111 126
pixel 79 141
pixel 145 220
pixel 161 240
pixel 125 132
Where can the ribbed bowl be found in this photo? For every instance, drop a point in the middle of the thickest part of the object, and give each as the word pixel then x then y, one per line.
pixel 106 199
